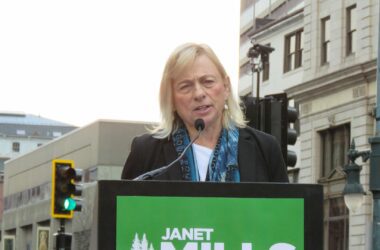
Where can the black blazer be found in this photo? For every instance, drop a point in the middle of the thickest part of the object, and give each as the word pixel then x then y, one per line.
pixel 259 158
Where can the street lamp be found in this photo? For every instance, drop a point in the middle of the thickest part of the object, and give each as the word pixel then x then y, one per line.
pixel 353 191
pixel 258 56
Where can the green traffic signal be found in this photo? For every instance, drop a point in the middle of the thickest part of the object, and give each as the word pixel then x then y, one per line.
pixel 69 204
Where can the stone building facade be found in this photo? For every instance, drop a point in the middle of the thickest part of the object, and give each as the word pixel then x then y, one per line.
pixel 337 50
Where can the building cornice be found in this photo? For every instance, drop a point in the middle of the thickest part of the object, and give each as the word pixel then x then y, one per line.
pixel 246 29
pixel 340 79
pixel 278 22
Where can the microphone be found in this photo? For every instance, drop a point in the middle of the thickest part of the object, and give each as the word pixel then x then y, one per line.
pixel 199 124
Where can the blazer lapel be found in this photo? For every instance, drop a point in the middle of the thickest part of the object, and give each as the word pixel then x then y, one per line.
pixel 247 156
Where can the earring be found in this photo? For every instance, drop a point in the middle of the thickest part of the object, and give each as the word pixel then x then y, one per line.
pixel 225 106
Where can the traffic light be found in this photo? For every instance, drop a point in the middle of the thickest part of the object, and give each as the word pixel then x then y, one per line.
pixel 279 117
pixel 290 119
pixel 271 119
pixel 65 189
pixel 273 115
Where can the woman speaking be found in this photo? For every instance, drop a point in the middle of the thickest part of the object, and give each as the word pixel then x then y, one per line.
pixel 203 135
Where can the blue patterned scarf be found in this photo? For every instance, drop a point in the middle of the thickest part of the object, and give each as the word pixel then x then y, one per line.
pixel 222 166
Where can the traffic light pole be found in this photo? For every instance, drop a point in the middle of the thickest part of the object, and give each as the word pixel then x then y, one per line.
pixel 64 198
pixel 63 240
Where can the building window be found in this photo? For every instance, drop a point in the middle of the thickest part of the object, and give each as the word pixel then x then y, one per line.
pixel 20 132
pixel 57 134
pixel 325 35
pixel 351 30
pixel 335 143
pixel 336 224
pixel 266 66
pixel 293 50
pixel 16 147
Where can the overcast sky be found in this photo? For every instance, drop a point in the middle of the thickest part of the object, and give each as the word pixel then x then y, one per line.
pixel 77 61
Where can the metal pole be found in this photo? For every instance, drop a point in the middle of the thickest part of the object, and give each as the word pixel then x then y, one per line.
pixel 258 96
pixel 63 239
pixel 374 183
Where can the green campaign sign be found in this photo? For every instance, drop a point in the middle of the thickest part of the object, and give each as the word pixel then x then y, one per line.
pixel 209 223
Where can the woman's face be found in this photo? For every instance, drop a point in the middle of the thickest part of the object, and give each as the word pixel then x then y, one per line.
pixel 200 92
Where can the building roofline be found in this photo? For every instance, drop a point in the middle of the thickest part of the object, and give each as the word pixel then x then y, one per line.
pixel 30 119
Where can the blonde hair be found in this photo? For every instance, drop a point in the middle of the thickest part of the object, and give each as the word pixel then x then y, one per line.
pixel 178 61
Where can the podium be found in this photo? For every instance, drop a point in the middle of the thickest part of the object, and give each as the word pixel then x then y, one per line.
pixel 208 216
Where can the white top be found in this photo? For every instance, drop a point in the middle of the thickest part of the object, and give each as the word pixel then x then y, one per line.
pixel 202 157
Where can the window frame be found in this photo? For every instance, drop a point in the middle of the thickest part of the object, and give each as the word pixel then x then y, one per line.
pixel 266 67
pixel 330 219
pixel 324 42
pixel 297 53
pixel 349 31
pixel 16 147
pixel 328 158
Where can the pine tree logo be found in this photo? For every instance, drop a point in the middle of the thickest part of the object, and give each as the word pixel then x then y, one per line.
pixel 142 244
